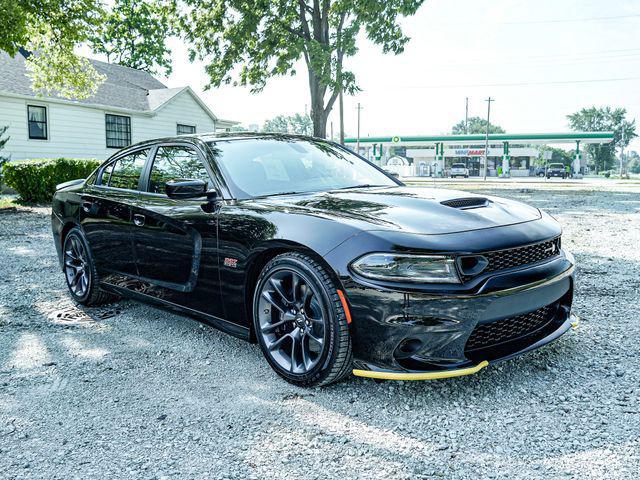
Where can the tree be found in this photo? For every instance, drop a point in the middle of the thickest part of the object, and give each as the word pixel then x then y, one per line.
pixel 299 124
pixel 134 34
pixel 259 40
pixel 604 119
pixel 477 125
pixel 633 159
pixel 52 29
pixel 558 155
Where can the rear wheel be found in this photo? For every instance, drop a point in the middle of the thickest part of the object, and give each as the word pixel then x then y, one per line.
pixel 300 322
pixel 80 271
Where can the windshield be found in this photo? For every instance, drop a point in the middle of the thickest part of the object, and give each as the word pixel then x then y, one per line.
pixel 556 165
pixel 255 167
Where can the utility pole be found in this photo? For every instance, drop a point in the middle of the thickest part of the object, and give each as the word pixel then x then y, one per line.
pixel 486 137
pixel 622 152
pixel 359 108
pixel 466 115
pixel 341 117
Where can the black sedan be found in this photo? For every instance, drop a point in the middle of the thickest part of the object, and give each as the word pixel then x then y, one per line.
pixel 330 264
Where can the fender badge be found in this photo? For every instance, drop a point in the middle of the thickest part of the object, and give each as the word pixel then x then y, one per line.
pixel 231 262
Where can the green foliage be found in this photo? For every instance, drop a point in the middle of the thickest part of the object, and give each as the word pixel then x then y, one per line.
pixel 633 159
pixel 52 28
pixel 134 33
pixel 477 125
pixel 299 124
pixel 246 42
pixel 603 119
pixel 36 180
pixel 558 155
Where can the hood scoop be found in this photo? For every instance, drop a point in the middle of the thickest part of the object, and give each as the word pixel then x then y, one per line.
pixel 465 203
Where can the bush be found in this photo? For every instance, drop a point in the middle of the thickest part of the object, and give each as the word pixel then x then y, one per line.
pixel 36 180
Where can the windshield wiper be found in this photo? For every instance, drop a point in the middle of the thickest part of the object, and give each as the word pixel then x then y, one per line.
pixel 365 185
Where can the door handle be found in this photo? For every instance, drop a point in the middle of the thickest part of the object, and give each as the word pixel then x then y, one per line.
pixel 86 206
pixel 138 219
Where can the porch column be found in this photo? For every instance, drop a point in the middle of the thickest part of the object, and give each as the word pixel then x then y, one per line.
pixel 506 169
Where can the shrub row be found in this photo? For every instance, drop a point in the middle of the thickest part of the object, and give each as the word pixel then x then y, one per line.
pixel 36 180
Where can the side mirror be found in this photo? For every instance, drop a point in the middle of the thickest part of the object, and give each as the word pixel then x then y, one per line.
pixel 188 188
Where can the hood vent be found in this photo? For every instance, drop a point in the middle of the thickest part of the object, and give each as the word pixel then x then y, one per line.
pixel 464 203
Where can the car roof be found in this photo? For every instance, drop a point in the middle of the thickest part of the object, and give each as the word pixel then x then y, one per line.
pixel 226 136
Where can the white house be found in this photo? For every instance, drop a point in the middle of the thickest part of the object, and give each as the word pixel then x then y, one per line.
pixel 130 106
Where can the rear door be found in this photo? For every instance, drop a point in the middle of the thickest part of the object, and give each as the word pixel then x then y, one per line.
pixel 176 239
pixel 106 213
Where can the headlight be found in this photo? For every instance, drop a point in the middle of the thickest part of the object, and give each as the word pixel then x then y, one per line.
pixel 404 267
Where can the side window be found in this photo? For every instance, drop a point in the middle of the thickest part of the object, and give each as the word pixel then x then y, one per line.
pixel 175 163
pixel 126 171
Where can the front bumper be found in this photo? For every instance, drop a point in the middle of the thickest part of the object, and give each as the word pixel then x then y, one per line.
pixel 418 336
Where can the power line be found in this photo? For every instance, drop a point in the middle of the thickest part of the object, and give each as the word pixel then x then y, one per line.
pixel 568 20
pixel 553 62
pixel 517 84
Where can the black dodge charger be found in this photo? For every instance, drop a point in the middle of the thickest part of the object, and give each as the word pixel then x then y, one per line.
pixel 332 266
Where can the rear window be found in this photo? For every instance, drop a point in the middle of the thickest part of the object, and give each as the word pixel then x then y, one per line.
pixel 556 165
pixel 458 165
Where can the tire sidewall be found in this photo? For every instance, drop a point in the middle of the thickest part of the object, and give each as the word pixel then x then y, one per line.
pixel 298 265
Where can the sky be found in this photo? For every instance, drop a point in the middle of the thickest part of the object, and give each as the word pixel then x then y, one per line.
pixel 537 58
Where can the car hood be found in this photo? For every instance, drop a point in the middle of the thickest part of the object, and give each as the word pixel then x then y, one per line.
pixel 405 209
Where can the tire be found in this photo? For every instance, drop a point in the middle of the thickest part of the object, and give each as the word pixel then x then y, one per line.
pixel 78 265
pixel 296 303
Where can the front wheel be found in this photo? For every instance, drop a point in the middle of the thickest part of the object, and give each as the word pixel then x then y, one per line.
pixel 80 271
pixel 300 322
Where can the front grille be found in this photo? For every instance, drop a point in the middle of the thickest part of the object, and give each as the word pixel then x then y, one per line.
pixel 472 202
pixel 519 256
pixel 487 335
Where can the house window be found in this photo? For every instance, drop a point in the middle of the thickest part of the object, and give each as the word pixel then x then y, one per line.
pixel 186 129
pixel 37 117
pixel 118 131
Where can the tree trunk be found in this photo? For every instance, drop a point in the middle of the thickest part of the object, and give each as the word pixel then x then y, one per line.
pixel 318 114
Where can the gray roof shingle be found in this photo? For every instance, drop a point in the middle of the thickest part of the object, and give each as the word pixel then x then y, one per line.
pixel 124 87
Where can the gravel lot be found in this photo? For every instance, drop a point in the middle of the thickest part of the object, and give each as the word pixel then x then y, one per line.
pixel 131 391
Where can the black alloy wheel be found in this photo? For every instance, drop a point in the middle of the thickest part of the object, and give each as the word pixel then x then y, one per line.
pixel 300 322
pixel 80 271
pixel 76 268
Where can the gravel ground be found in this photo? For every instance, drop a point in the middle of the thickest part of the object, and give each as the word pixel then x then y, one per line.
pixel 131 391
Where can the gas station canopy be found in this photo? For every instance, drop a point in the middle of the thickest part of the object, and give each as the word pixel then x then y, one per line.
pixel 509 154
pixel 531 138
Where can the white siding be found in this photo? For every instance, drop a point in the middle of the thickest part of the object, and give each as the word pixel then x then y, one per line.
pixel 180 109
pixel 76 131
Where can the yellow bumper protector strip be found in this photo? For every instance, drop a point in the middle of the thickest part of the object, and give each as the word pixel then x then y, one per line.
pixel 421 376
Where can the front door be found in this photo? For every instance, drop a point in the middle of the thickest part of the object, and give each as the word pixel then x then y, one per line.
pixel 106 215
pixel 176 239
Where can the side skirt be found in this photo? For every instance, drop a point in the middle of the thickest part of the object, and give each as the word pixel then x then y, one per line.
pixel 219 323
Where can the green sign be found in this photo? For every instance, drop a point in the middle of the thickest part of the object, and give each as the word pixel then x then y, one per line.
pixel 395 139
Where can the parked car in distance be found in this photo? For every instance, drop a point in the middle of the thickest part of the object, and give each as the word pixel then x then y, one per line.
pixel 459 170
pixel 556 170
pixel 540 171
pixel 330 264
